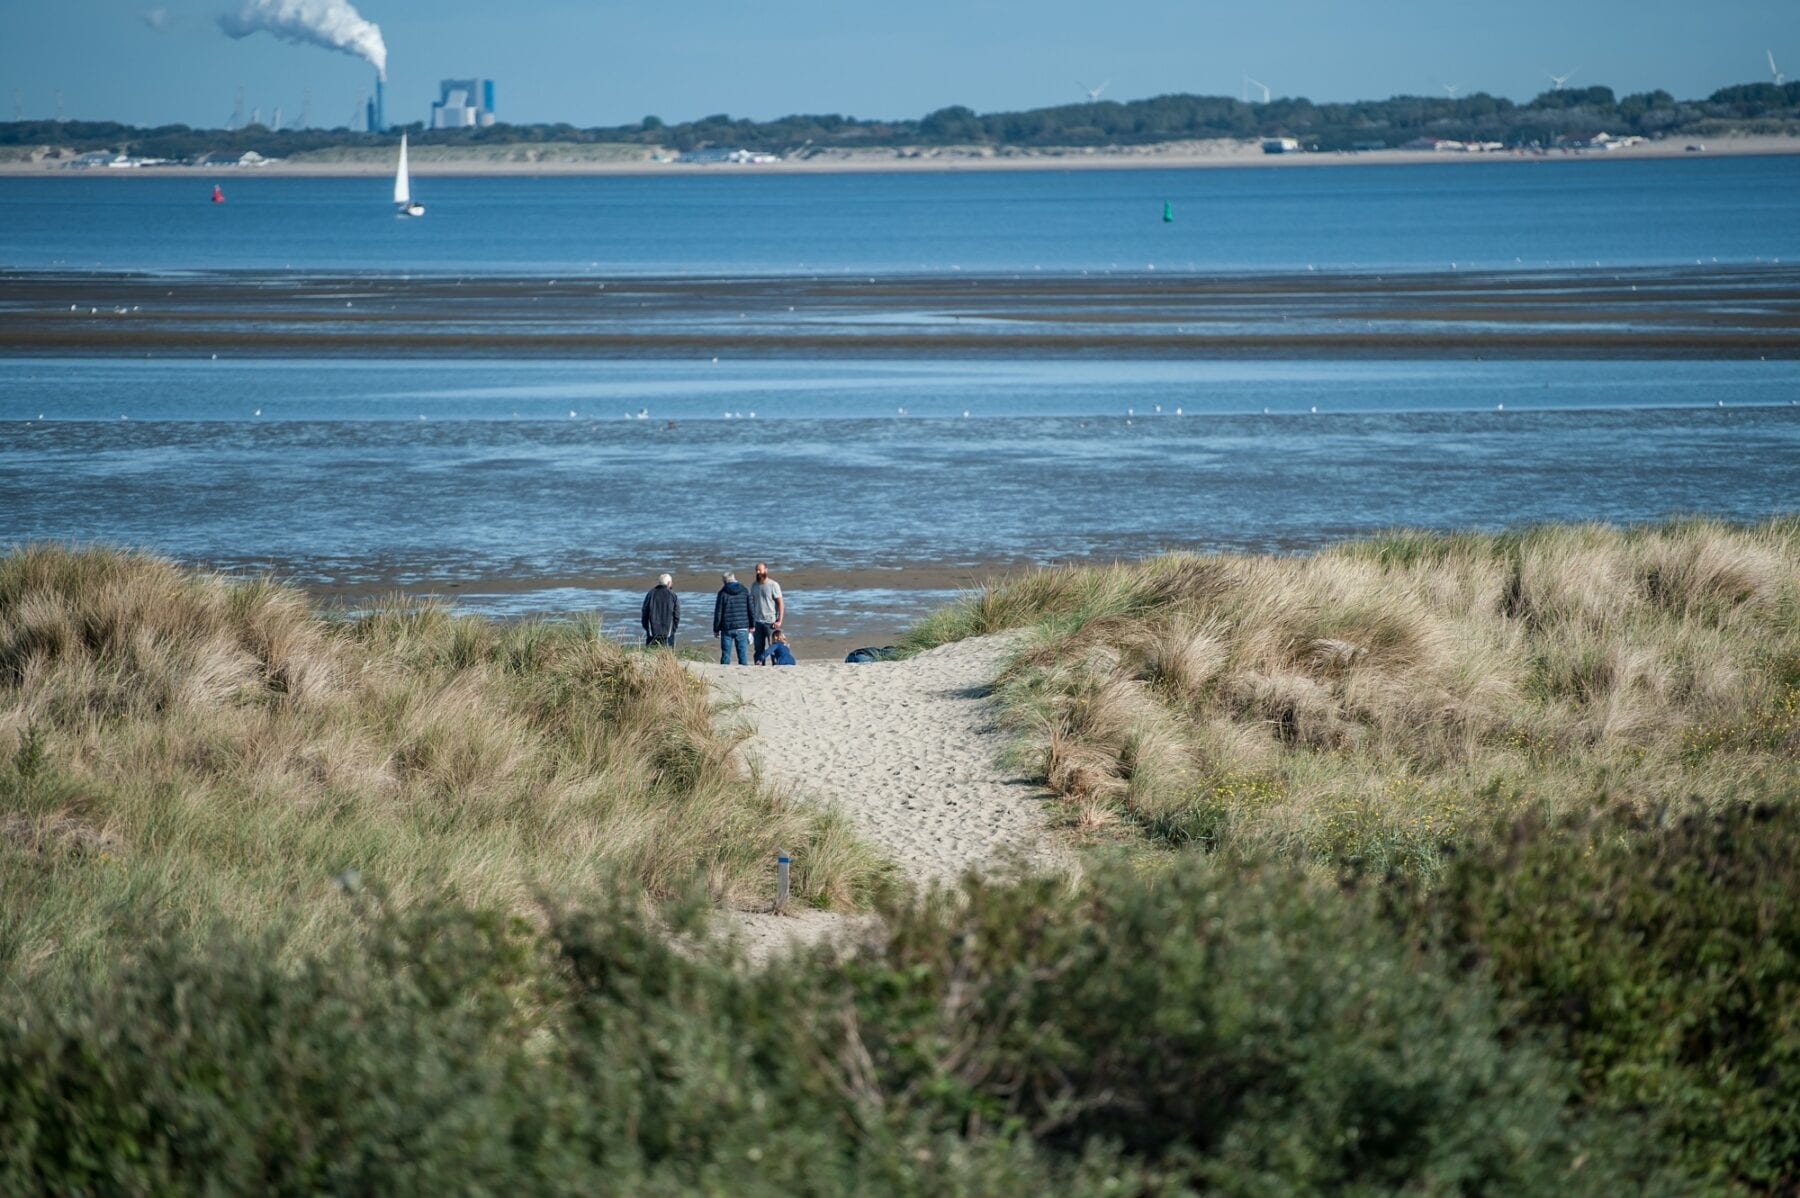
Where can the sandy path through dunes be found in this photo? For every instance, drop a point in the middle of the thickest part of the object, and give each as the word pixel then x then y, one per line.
pixel 909 750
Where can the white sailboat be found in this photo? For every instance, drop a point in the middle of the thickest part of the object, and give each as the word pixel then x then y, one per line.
pixel 403 200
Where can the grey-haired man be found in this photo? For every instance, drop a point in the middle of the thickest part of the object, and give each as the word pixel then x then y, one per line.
pixel 731 620
pixel 662 613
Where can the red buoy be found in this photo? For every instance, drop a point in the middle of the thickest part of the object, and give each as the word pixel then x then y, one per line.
pixel 218 194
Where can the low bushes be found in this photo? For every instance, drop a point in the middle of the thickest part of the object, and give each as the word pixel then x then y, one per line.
pixel 1666 954
pixel 1248 1032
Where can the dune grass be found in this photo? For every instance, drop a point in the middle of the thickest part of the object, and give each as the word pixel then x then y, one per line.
pixel 208 748
pixel 1370 702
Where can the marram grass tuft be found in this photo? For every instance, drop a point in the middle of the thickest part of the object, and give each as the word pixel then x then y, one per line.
pixel 212 748
pixel 1366 704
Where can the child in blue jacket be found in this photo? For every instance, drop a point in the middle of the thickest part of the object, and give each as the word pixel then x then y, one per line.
pixel 778 653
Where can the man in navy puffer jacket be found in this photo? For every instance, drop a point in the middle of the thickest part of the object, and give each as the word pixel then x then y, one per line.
pixel 732 620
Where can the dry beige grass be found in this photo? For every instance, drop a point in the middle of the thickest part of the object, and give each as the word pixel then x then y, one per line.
pixel 1371 701
pixel 214 748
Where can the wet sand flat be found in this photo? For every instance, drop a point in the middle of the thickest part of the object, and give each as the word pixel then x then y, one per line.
pixel 1699 311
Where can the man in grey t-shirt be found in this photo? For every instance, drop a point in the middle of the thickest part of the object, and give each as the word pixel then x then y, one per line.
pixel 766 609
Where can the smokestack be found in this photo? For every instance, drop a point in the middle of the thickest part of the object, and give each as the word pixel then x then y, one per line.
pixel 377 107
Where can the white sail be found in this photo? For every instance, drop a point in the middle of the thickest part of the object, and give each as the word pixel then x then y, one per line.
pixel 402 180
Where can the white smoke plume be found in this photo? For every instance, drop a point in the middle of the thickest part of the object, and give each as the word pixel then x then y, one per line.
pixel 334 24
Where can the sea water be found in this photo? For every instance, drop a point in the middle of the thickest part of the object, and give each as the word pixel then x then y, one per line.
pixel 423 474
pixel 1550 212
pixel 509 483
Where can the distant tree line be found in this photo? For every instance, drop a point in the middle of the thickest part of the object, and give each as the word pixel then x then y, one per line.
pixel 1565 113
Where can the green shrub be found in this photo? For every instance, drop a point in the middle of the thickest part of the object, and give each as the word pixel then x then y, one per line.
pixel 1669 957
pixel 1249 1033
pixel 395 1066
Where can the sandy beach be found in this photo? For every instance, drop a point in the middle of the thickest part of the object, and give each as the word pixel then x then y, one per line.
pixel 909 751
pixel 611 159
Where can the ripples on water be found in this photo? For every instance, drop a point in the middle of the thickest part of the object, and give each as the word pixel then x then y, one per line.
pixel 373 475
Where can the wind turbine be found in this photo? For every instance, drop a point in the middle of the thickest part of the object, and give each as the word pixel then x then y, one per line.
pixel 1775 70
pixel 1450 89
pixel 1093 93
pixel 1557 81
pixel 1250 83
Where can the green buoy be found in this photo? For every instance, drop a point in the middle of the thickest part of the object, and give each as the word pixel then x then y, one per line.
pixel 1168 213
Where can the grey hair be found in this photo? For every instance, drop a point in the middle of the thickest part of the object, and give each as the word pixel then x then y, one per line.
pixel 728 576
pixel 664 581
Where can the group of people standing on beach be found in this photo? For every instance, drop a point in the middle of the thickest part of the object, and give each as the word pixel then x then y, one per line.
pixel 746 620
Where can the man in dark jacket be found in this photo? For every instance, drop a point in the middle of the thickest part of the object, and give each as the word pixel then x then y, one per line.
pixel 732 620
pixel 662 613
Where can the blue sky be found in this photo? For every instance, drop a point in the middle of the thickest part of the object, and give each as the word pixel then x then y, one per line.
pixel 595 62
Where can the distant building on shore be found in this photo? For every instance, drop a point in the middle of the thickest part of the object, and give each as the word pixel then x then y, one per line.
pixel 1280 145
pixel 464 104
pixel 723 154
pixel 1599 141
pixel 108 160
pixel 1448 145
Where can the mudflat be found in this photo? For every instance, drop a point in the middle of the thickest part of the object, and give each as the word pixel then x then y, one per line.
pixel 1703 310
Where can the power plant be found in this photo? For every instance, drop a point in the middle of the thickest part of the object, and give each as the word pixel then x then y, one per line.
pixel 463 104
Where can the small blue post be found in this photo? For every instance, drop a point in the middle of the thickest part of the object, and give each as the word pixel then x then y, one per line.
pixel 781 879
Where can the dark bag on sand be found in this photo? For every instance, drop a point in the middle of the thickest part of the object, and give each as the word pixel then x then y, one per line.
pixel 885 653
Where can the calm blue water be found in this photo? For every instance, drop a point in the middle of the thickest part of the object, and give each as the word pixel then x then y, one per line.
pixel 1516 213
pixel 537 486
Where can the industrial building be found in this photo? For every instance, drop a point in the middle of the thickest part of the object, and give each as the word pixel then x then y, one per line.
pixel 464 104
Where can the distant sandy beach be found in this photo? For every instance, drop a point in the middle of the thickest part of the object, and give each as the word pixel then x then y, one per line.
pixel 592 159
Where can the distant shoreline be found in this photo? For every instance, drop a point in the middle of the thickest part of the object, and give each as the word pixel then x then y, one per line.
pixel 575 160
